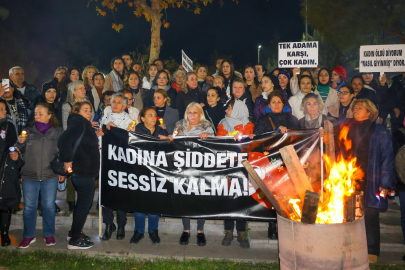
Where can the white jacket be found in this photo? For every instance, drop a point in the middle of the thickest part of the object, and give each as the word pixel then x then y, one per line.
pixel 122 120
pixel 146 84
pixel 132 111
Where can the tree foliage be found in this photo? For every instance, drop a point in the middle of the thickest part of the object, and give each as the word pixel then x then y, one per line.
pixel 349 23
pixel 144 8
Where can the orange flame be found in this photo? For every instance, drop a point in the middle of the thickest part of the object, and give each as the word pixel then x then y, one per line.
pixel 337 188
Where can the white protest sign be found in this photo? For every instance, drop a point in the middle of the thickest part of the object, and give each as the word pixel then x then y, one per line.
pixel 186 62
pixel 298 54
pixel 382 58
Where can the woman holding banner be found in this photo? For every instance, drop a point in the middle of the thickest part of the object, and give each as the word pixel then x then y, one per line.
pixel 148 127
pixel 117 117
pixel 236 119
pixel 193 124
pixel 343 108
pixel 277 119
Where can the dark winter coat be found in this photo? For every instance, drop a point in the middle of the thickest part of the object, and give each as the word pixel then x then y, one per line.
pixel 31 92
pixel 380 170
pixel 38 151
pixel 192 95
pixel 86 161
pixel 284 119
pixel 214 114
pixel 141 129
pixel 10 190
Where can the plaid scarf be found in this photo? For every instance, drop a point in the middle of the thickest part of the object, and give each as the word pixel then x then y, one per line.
pixel 21 121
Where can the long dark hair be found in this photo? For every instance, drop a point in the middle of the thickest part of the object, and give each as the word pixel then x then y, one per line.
pixel 129 73
pixel 63 85
pixel 112 65
pixel 255 80
pixel 232 75
pixel 157 76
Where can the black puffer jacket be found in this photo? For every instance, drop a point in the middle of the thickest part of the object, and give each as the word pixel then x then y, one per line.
pixel 38 151
pixel 284 119
pixel 86 161
pixel 10 191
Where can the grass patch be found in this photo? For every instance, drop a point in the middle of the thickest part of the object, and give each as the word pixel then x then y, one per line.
pixel 11 259
pixel 41 259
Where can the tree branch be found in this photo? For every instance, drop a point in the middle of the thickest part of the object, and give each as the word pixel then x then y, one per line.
pixel 145 6
pixel 401 37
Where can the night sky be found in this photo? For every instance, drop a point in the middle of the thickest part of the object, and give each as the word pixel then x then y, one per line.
pixel 49 30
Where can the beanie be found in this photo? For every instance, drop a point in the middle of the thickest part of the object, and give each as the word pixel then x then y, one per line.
pixel 48 85
pixel 341 71
pixel 284 73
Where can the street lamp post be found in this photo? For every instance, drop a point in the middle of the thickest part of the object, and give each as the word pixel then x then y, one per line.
pixel 258 54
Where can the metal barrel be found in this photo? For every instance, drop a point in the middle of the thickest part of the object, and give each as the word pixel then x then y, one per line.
pixel 322 246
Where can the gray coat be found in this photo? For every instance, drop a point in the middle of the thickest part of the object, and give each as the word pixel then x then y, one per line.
pixel 170 118
pixel 38 151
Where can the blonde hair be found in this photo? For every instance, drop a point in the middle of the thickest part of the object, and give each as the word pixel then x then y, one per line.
pixel 369 106
pixel 84 74
pixel 199 108
pixel 185 86
pixel 164 94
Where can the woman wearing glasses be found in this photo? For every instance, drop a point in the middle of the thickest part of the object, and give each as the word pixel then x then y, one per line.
pixel 343 108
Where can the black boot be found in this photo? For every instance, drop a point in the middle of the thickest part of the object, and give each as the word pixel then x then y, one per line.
pixel 57 208
pixel 5 225
pixel 71 206
pixel 121 232
pixel 109 229
pixel 273 233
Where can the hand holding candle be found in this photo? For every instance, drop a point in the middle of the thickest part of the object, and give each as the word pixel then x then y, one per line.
pixel 13 153
pixel 24 133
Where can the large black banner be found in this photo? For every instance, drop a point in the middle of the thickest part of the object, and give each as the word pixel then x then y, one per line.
pixel 200 178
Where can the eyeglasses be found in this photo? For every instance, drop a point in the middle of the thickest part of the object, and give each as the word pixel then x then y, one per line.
pixel 107 99
pixel 343 93
pixel 358 108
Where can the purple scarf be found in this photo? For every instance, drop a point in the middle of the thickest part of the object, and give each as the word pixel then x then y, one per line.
pixel 42 127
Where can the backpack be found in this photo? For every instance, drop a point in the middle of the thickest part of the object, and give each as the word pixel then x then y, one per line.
pixel 400 161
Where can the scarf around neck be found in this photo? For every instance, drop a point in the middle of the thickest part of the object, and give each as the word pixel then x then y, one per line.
pixel 313 123
pixel 42 127
pixel 116 81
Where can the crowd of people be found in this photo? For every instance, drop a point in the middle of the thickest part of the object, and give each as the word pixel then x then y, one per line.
pixel 65 118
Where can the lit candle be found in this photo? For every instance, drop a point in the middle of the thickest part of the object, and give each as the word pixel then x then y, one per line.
pixel 24 133
pixel 70 170
pixel 161 120
pixel 133 123
pixel 12 149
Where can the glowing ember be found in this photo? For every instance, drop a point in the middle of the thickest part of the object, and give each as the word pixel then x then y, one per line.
pixel 337 188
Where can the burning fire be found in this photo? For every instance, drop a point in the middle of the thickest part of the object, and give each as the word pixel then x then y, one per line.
pixel 337 188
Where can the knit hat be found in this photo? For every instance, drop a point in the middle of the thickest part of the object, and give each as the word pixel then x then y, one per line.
pixel 273 79
pixel 48 85
pixel 341 71
pixel 283 72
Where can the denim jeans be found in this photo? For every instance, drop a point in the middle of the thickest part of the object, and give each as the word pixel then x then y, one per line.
pixel 153 222
pixel 85 187
pixel 31 191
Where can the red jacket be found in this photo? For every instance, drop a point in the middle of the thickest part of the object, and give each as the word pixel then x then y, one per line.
pixel 246 130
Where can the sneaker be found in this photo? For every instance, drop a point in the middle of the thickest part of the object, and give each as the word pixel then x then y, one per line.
pixel 50 240
pixel 80 244
pixel 136 238
pixel 201 241
pixel 85 237
pixel 228 238
pixel 184 238
pixel 154 236
pixel 26 242
pixel 244 239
